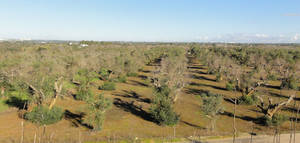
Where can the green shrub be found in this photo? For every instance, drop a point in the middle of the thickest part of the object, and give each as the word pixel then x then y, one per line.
pixel 289 83
pixel 248 100
pixel 132 74
pixel 3 105
pixel 211 107
pixel 276 120
pixel 212 104
pixel 161 108
pixel 122 79
pixel 104 73
pixel 83 94
pixel 229 86
pixel 96 108
pixel 271 77
pixel 41 115
pixel 108 86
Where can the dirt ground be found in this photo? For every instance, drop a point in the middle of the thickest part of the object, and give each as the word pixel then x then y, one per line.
pixel 129 117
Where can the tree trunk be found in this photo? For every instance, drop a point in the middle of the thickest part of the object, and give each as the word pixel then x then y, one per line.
pixel 22 136
pixel 53 103
pixel 2 91
pixel 57 91
pixel 271 109
pixel 234 127
pixel 296 123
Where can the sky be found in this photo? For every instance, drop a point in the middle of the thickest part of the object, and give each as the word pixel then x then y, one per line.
pixel 243 21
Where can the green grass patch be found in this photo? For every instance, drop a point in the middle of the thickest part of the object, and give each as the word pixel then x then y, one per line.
pixel 3 105
pixel 108 86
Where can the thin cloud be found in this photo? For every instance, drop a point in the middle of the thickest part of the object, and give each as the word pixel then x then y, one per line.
pixel 252 38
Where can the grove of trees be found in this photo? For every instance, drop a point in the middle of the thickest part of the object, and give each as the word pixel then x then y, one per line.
pixel 35 76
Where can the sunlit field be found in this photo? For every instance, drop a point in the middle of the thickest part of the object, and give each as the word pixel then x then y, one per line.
pixel 146 92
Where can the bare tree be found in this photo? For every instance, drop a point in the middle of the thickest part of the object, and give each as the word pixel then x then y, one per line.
pixel 272 108
pixel 57 92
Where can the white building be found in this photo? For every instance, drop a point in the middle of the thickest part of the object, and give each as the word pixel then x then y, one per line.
pixel 84 45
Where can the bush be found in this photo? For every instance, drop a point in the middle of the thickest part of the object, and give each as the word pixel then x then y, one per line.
pixel 289 83
pixel 211 107
pixel 271 77
pixel 248 100
pixel 276 120
pixel 41 115
pixel 108 86
pixel 132 74
pixel 122 79
pixel 96 111
pixel 229 86
pixel 104 73
pixel 161 108
pixel 212 104
pixel 83 94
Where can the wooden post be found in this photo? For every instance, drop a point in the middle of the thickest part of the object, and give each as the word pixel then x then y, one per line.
pixel 34 139
pixel 174 132
pixel 291 128
pixel 234 127
pixel 234 112
pixel 22 136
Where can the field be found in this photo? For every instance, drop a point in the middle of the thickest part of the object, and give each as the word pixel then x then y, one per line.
pixel 30 70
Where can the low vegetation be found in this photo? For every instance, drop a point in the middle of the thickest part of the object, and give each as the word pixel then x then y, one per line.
pixel 132 90
pixel 42 115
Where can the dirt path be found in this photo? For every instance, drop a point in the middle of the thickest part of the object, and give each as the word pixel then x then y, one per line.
pixel 284 138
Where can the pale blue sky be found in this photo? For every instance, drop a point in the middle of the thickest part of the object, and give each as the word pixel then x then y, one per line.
pixel 152 20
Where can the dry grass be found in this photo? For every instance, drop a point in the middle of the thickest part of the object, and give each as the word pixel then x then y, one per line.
pixel 123 122
pixel 128 117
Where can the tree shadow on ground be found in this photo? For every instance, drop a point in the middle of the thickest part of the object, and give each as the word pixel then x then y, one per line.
pixel 134 109
pixel 143 77
pixel 155 62
pixel 76 119
pixel 272 86
pixel 258 120
pixel 229 100
pixel 294 119
pixel 192 125
pixel 290 109
pixel 138 83
pixel 202 78
pixel 282 96
pixel 277 95
pixel 133 95
pixel 195 141
pixel 197 72
pixel 256 110
pixel 195 91
pixel 17 102
pixel 145 71
pixel 212 86
pixel 196 67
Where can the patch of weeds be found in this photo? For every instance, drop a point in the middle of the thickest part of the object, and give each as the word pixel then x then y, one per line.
pixel 107 85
